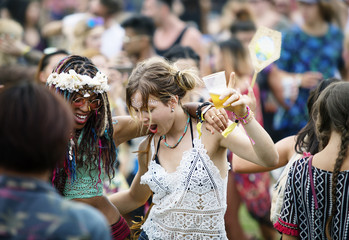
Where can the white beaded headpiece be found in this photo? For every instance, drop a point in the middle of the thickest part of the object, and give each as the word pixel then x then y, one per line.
pixel 72 81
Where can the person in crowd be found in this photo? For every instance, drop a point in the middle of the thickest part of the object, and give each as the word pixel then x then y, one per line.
pixel 87 34
pixel 35 128
pixel 10 30
pixel 113 33
pixel 265 14
pixel 170 30
pixel 138 40
pixel 91 151
pixel 27 13
pixel 185 170
pixel 186 57
pixel 244 30
pixel 290 149
pixel 306 69
pixel 315 203
pixel 48 61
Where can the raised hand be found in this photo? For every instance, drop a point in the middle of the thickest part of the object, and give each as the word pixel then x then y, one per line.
pixel 235 103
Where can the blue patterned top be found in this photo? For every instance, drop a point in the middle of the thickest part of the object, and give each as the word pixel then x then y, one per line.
pixel 301 53
pixel 299 216
pixel 32 209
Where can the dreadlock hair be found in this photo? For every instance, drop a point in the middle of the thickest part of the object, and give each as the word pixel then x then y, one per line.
pixel 306 138
pixel 94 144
pixel 331 113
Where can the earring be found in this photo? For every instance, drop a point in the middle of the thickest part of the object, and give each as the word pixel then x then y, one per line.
pixel 172 109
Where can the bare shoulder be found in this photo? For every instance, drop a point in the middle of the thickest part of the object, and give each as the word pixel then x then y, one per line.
pixel 287 142
pixel 191 34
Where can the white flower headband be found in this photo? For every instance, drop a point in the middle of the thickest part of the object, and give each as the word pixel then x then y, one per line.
pixel 75 82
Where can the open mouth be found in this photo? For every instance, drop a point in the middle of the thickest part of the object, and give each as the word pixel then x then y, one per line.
pixel 81 119
pixel 153 128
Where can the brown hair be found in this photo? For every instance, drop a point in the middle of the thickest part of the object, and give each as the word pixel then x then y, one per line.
pixel 306 138
pixel 35 128
pixel 158 77
pixel 331 114
pixel 327 12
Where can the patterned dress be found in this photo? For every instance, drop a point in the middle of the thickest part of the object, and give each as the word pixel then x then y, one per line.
pixel 189 203
pixel 299 216
pixel 301 53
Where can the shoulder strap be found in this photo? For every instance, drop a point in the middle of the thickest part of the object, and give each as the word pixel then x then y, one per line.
pixel 191 132
pixel 312 182
pixel 179 39
pixel 156 158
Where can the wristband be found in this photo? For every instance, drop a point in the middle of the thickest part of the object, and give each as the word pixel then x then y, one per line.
pixel 199 108
pixel 204 111
pixel 246 118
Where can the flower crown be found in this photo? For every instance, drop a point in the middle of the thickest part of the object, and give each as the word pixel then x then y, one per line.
pixel 75 82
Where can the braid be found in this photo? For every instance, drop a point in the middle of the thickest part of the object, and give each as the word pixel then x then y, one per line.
pixel 81 65
pixel 96 139
pixel 339 162
pixel 332 117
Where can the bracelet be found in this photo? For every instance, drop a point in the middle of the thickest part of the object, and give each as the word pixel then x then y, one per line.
pixel 204 111
pixel 246 118
pixel 199 108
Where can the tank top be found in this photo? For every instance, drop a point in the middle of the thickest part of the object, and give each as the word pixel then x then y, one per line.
pixel 88 183
pixel 161 52
pixel 189 203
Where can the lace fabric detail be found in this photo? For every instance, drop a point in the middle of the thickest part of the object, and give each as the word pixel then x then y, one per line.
pixel 189 203
pixel 86 184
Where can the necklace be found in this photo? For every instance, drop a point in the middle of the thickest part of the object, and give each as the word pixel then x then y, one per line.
pixel 180 139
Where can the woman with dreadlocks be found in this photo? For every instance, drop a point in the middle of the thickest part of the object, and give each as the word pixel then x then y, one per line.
pixel 316 197
pixel 91 152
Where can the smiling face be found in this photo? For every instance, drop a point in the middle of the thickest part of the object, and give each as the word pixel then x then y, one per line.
pixel 84 107
pixel 157 117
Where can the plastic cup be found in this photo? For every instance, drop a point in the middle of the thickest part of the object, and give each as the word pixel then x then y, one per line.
pixel 216 83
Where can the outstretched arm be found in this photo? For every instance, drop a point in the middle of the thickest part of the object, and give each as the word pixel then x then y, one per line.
pixel 285 149
pixel 127 128
pixel 138 193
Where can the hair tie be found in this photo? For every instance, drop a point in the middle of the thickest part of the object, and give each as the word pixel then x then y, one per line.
pixel 177 74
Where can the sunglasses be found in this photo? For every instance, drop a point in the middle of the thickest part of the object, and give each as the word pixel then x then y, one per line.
pixel 94 104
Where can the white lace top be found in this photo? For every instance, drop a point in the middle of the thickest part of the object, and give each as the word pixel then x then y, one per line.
pixel 189 203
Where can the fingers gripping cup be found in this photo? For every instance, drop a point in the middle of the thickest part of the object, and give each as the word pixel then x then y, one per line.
pixel 216 83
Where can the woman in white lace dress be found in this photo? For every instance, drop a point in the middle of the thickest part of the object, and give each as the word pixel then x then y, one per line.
pixel 185 169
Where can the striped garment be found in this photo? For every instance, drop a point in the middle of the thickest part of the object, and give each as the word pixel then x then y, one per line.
pixel 299 216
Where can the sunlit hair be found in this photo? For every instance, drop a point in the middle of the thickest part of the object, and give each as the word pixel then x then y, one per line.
pixel 306 138
pixel 95 142
pixel 331 114
pixel 83 29
pixel 161 79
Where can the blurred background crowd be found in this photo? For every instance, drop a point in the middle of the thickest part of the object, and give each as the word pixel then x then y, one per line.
pixel 207 35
